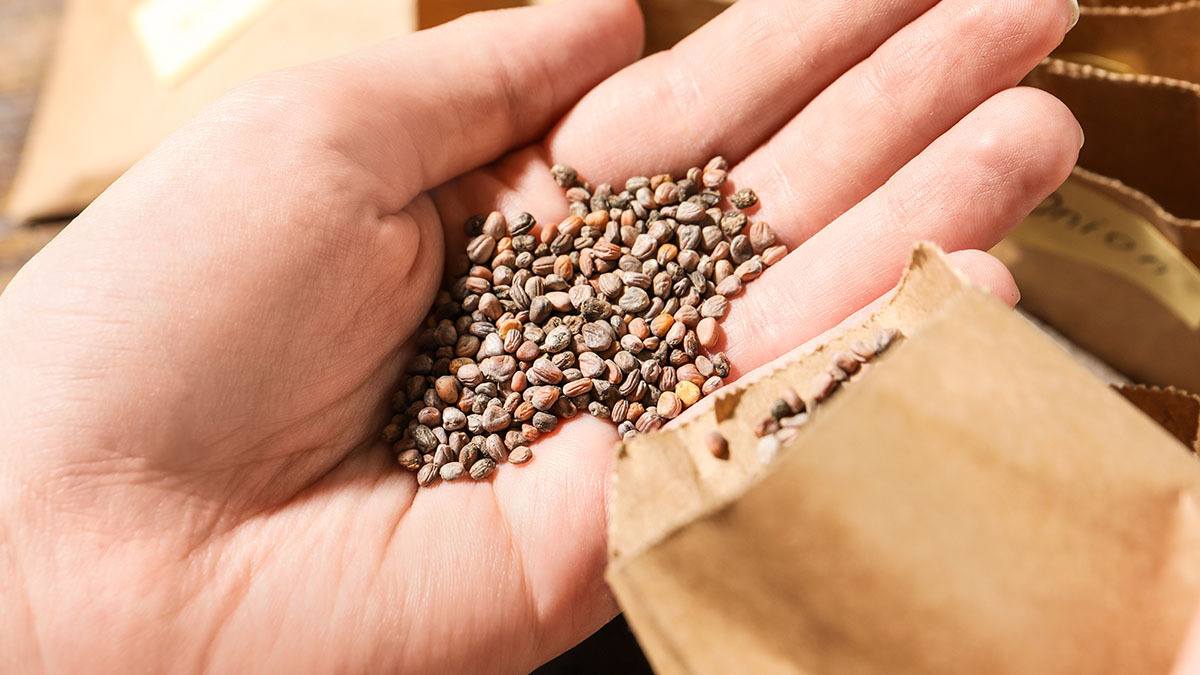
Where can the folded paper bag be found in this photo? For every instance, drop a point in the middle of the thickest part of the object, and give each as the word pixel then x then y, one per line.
pixel 973 501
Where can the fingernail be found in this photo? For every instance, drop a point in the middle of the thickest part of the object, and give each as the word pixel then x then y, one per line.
pixel 1081 136
pixel 1074 14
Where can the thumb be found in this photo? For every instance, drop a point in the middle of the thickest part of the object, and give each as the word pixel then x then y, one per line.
pixel 435 104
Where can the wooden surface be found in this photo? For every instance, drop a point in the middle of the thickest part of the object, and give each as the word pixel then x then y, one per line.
pixel 27 29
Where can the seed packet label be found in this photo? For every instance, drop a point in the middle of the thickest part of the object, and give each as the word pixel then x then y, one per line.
pixel 179 36
pixel 1083 224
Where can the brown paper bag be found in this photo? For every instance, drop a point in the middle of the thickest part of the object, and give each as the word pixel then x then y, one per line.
pixel 971 502
pixel 1110 260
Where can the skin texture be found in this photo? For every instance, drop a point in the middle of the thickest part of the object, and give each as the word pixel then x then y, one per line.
pixel 194 373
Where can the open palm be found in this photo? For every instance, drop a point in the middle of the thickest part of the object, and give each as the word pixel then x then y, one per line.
pixel 194 374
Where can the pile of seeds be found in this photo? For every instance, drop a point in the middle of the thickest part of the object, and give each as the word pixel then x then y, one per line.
pixel 612 311
pixel 789 412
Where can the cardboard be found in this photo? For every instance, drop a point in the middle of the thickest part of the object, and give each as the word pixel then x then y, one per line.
pixel 103 106
pixel 1176 411
pixel 974 501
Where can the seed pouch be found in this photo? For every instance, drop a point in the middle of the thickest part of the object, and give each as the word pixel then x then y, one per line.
pixel 972 500
pixel 1110 259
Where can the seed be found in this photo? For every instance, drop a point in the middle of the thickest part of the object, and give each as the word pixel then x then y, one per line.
pixel 669 405
pixel 689 212
pixel 495 419
pixel 557 339
pixel 822 386
pixel 444 454
pixel 544 422
pixel 766 425
pixel 885 338
pixel 687 392
pixel 545 397
pixel 780 409
pixel 744 198
pixel 410 459
pixel 577 388
pixel 429 416
pixel 847 362
pixel 749 270
pixel 730 286
pixel 480 248
pixel 427 475
pixel 715 307
pixel 520 455
pixel 717 445
pixel 498 368
pixel 447 388
pixel 482 469
pixel 494 448
pixel 634 300
pixel 467 454
pixel 598 336
pixel 708 332
pixel 453 419
pixel 564 175
pixel 451 471
pixel 862 351
pixel 711 385
pixel 762 236
pixel 774 254
pixel 794 402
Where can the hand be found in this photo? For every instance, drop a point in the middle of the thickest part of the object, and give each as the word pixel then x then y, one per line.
pixel 193 376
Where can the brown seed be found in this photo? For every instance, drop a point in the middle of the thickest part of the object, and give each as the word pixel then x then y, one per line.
pixel 467 454
pixel 669 405
pixel 749 270
pixel 598 336
pixel 711 385
pixel 765 426
pixel 565 176
pixel 543 371
pixel 847 362
pixel 793 400
pixel 714 307
pixel 688 316
pixel 498 368
pixel 429 416
pixel 730 286
pixel 885 338
pixel 689 372
pixel 482 468
pixel 453 419
pixel 689 212
pixel 634 300
pixel 744 198
pixel 661 324
pixel 717 445
pixel 495 419
pixel 862 351
pixel 708 332
pixel 774 254
pixel 495 449
pixel 480 248
pixel 576 388
pixel 762 236
pixel 495 225
pixel 544 397
pixel 410 459
pixel 520 455
pixel 524 411
pixel 447 388
pixel 822 386
pixel 427 475
pixel 451 471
